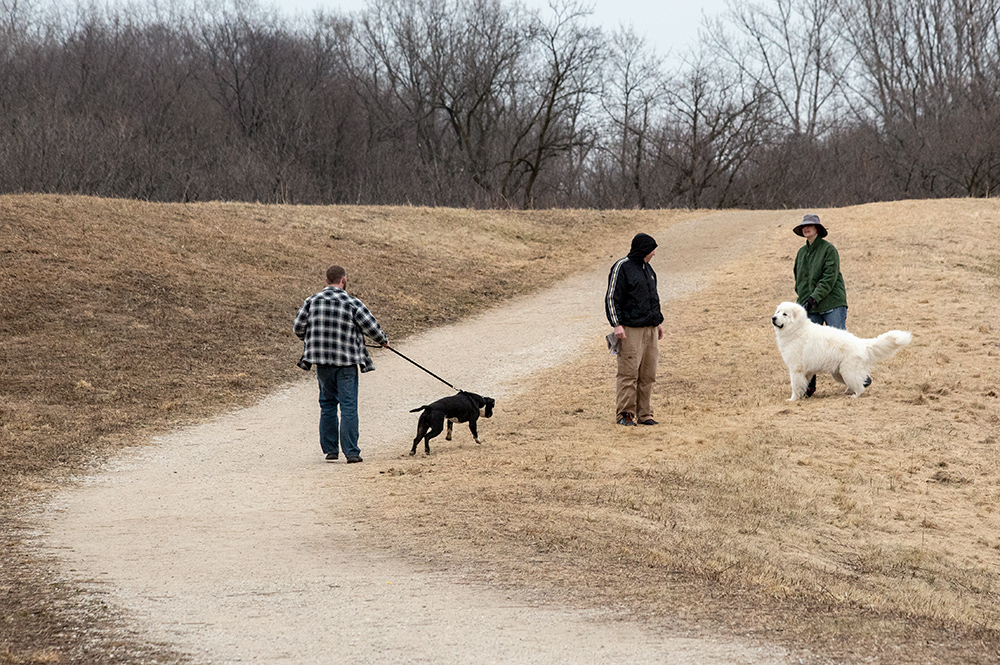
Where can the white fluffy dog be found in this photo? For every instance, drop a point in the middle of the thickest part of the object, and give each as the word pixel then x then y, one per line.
pixel 808 348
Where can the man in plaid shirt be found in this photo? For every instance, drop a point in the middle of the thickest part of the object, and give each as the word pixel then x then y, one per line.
pixel 332 326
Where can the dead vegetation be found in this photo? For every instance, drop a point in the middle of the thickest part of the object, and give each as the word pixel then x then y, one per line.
pixel 859 529
pixel 853 529
pixel 119 318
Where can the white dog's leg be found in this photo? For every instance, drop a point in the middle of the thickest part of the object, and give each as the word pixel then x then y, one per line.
pixel 855 385
pixel 799 385
pixel 840 379
pixel 854 377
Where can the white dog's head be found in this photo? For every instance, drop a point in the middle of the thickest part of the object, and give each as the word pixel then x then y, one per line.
pixel 788 314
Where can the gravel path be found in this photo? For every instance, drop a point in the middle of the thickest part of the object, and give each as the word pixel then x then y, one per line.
pixel 235 541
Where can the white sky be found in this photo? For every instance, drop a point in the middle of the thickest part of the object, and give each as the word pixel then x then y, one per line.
pixel 670 26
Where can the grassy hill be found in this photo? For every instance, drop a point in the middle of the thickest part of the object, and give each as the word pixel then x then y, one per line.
pixel 121 318
pixel 117 316
pixel 862 529
pixel 865 529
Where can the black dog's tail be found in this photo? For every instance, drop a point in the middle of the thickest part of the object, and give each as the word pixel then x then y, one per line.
pixel 419 408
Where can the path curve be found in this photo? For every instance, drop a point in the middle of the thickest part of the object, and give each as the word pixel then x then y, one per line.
pixel 233 540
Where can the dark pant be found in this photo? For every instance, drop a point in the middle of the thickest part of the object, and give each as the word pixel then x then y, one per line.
pixel 338 387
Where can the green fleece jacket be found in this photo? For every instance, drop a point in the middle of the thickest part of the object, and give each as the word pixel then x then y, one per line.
pixel 817 274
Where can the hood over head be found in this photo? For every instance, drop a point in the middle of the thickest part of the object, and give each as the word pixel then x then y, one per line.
pixel 642 245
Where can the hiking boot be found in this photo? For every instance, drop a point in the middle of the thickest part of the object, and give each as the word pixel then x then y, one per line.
pixel 353 460
pixel 330 457
pixel 626 420
pixel 648 421
pixel 868 381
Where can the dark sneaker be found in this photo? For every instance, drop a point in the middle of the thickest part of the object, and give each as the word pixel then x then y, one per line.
pixel 626 420
pixel 353 460
pixel 648 421
pixel 868 381
pixel 330 457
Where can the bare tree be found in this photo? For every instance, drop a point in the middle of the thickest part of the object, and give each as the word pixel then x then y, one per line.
pixel 631 101
pixel 476 91
pixel 395 39
pixel 927 74
pixel 552 120
pixel 716 119
pixel 791 49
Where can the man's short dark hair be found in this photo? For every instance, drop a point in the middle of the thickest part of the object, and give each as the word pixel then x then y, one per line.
pixel 334 274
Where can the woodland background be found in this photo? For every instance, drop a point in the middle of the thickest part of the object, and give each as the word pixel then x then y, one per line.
pixel 483 103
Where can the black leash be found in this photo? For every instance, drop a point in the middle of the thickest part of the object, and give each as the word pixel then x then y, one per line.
pixel 375 346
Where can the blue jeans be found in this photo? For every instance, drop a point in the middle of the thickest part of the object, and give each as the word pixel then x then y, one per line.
pixel 835 318
pixel 338 386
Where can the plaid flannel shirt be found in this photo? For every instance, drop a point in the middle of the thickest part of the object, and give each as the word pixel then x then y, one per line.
pixel 332 326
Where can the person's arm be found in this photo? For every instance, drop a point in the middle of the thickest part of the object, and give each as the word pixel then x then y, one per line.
pixel 612 301
pixel 369 325
pixel 802 289
pixel 301 323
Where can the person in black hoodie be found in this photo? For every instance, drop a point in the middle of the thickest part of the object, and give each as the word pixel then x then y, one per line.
pixel 633 309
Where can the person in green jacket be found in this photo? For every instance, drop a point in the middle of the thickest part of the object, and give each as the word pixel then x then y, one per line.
pixel 818 282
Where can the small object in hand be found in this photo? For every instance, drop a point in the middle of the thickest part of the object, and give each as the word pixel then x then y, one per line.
pixel 809 304
pixel 304 364
pixel 614 344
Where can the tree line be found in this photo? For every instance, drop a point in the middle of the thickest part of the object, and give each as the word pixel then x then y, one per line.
pixel 485 103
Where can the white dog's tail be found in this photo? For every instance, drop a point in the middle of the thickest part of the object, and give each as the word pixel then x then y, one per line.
pixel 885 345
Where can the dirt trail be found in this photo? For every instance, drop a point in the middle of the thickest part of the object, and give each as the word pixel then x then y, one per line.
pixel 236 542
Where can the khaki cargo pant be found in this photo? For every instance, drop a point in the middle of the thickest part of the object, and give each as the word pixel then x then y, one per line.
pixel 637 372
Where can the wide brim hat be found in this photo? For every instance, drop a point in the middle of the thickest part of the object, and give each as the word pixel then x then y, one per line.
pixel 810 220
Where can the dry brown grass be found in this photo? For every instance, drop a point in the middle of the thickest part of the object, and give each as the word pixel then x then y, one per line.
pixel 118 318
pixel 858 529
pixel 854 528
pixel 117 315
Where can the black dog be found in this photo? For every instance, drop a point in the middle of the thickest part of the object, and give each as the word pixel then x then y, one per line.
pixel 460 408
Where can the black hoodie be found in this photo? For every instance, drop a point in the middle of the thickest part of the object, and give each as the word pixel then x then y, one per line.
pixel 632 299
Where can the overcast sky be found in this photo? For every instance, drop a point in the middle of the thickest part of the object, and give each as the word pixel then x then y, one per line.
pixel 671 26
